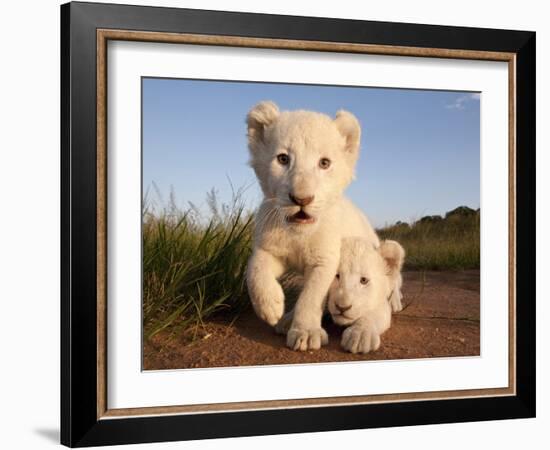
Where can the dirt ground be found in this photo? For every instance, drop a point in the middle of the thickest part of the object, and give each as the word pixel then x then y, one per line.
pixel 440 318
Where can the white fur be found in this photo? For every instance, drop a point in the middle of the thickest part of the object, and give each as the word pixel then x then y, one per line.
pixel 358 296
pixel 312 248
pixel 394 255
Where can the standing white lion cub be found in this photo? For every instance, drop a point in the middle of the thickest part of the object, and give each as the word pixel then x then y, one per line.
pixel 303 160
pixel 358 297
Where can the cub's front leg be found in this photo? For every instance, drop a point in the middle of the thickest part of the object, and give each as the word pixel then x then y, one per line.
pixel 396 300
pixel 305 332
pixel 265 292
pixel 396 295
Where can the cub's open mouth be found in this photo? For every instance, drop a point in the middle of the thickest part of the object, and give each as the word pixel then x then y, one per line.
pixel 300 217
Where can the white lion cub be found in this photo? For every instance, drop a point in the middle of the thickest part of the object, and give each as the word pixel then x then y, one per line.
pixel 304 161
pixel 359 295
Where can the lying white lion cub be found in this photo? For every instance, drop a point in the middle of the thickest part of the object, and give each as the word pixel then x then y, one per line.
pixel 359 295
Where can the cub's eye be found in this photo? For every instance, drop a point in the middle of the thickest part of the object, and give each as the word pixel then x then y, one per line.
pixel 337 276
pixel 324 163
pixel 283 159
pixel 364 280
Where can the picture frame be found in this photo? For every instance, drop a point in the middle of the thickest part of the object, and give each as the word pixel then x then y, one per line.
pixel 86 418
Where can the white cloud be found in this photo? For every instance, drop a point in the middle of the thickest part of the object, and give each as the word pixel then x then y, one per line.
pixel 460 102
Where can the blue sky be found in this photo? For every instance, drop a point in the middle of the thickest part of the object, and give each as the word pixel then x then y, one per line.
pixel 420 150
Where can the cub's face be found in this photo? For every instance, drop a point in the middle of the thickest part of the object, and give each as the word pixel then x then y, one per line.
pixel 303 160
pixel 363 281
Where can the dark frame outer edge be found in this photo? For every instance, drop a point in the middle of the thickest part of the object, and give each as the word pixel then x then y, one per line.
pixel 79 425
pixel 65 335
pixel 526 224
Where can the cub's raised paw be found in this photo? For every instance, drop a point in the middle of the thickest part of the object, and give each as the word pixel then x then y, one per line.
pixel 302 339
pixel 360 339
pixel 271 306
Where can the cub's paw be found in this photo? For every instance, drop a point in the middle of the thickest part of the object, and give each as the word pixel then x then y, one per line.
pixel 360 339
pixel 302 339
pixel 283 325
pixel 395 301
pixel 270 308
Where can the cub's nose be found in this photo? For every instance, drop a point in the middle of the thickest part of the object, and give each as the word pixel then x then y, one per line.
pixel 343 308
pixel 304 201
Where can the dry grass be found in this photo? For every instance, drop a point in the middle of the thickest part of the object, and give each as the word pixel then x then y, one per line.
pixel 447 244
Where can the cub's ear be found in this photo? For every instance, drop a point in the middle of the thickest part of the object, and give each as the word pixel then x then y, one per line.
pixel 349 127
pixel 257 120
pixel 394 255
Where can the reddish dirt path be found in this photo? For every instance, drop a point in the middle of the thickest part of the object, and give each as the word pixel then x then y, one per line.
pixel 441 319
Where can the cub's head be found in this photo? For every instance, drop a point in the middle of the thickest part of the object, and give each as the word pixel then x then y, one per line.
pixel 364 278
pixel 303 160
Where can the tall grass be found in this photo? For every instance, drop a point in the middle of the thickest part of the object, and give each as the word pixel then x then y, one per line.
pixel 193 268
pixel 446 244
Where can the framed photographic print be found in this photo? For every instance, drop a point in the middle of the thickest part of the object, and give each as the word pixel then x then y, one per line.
pixel 276 224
